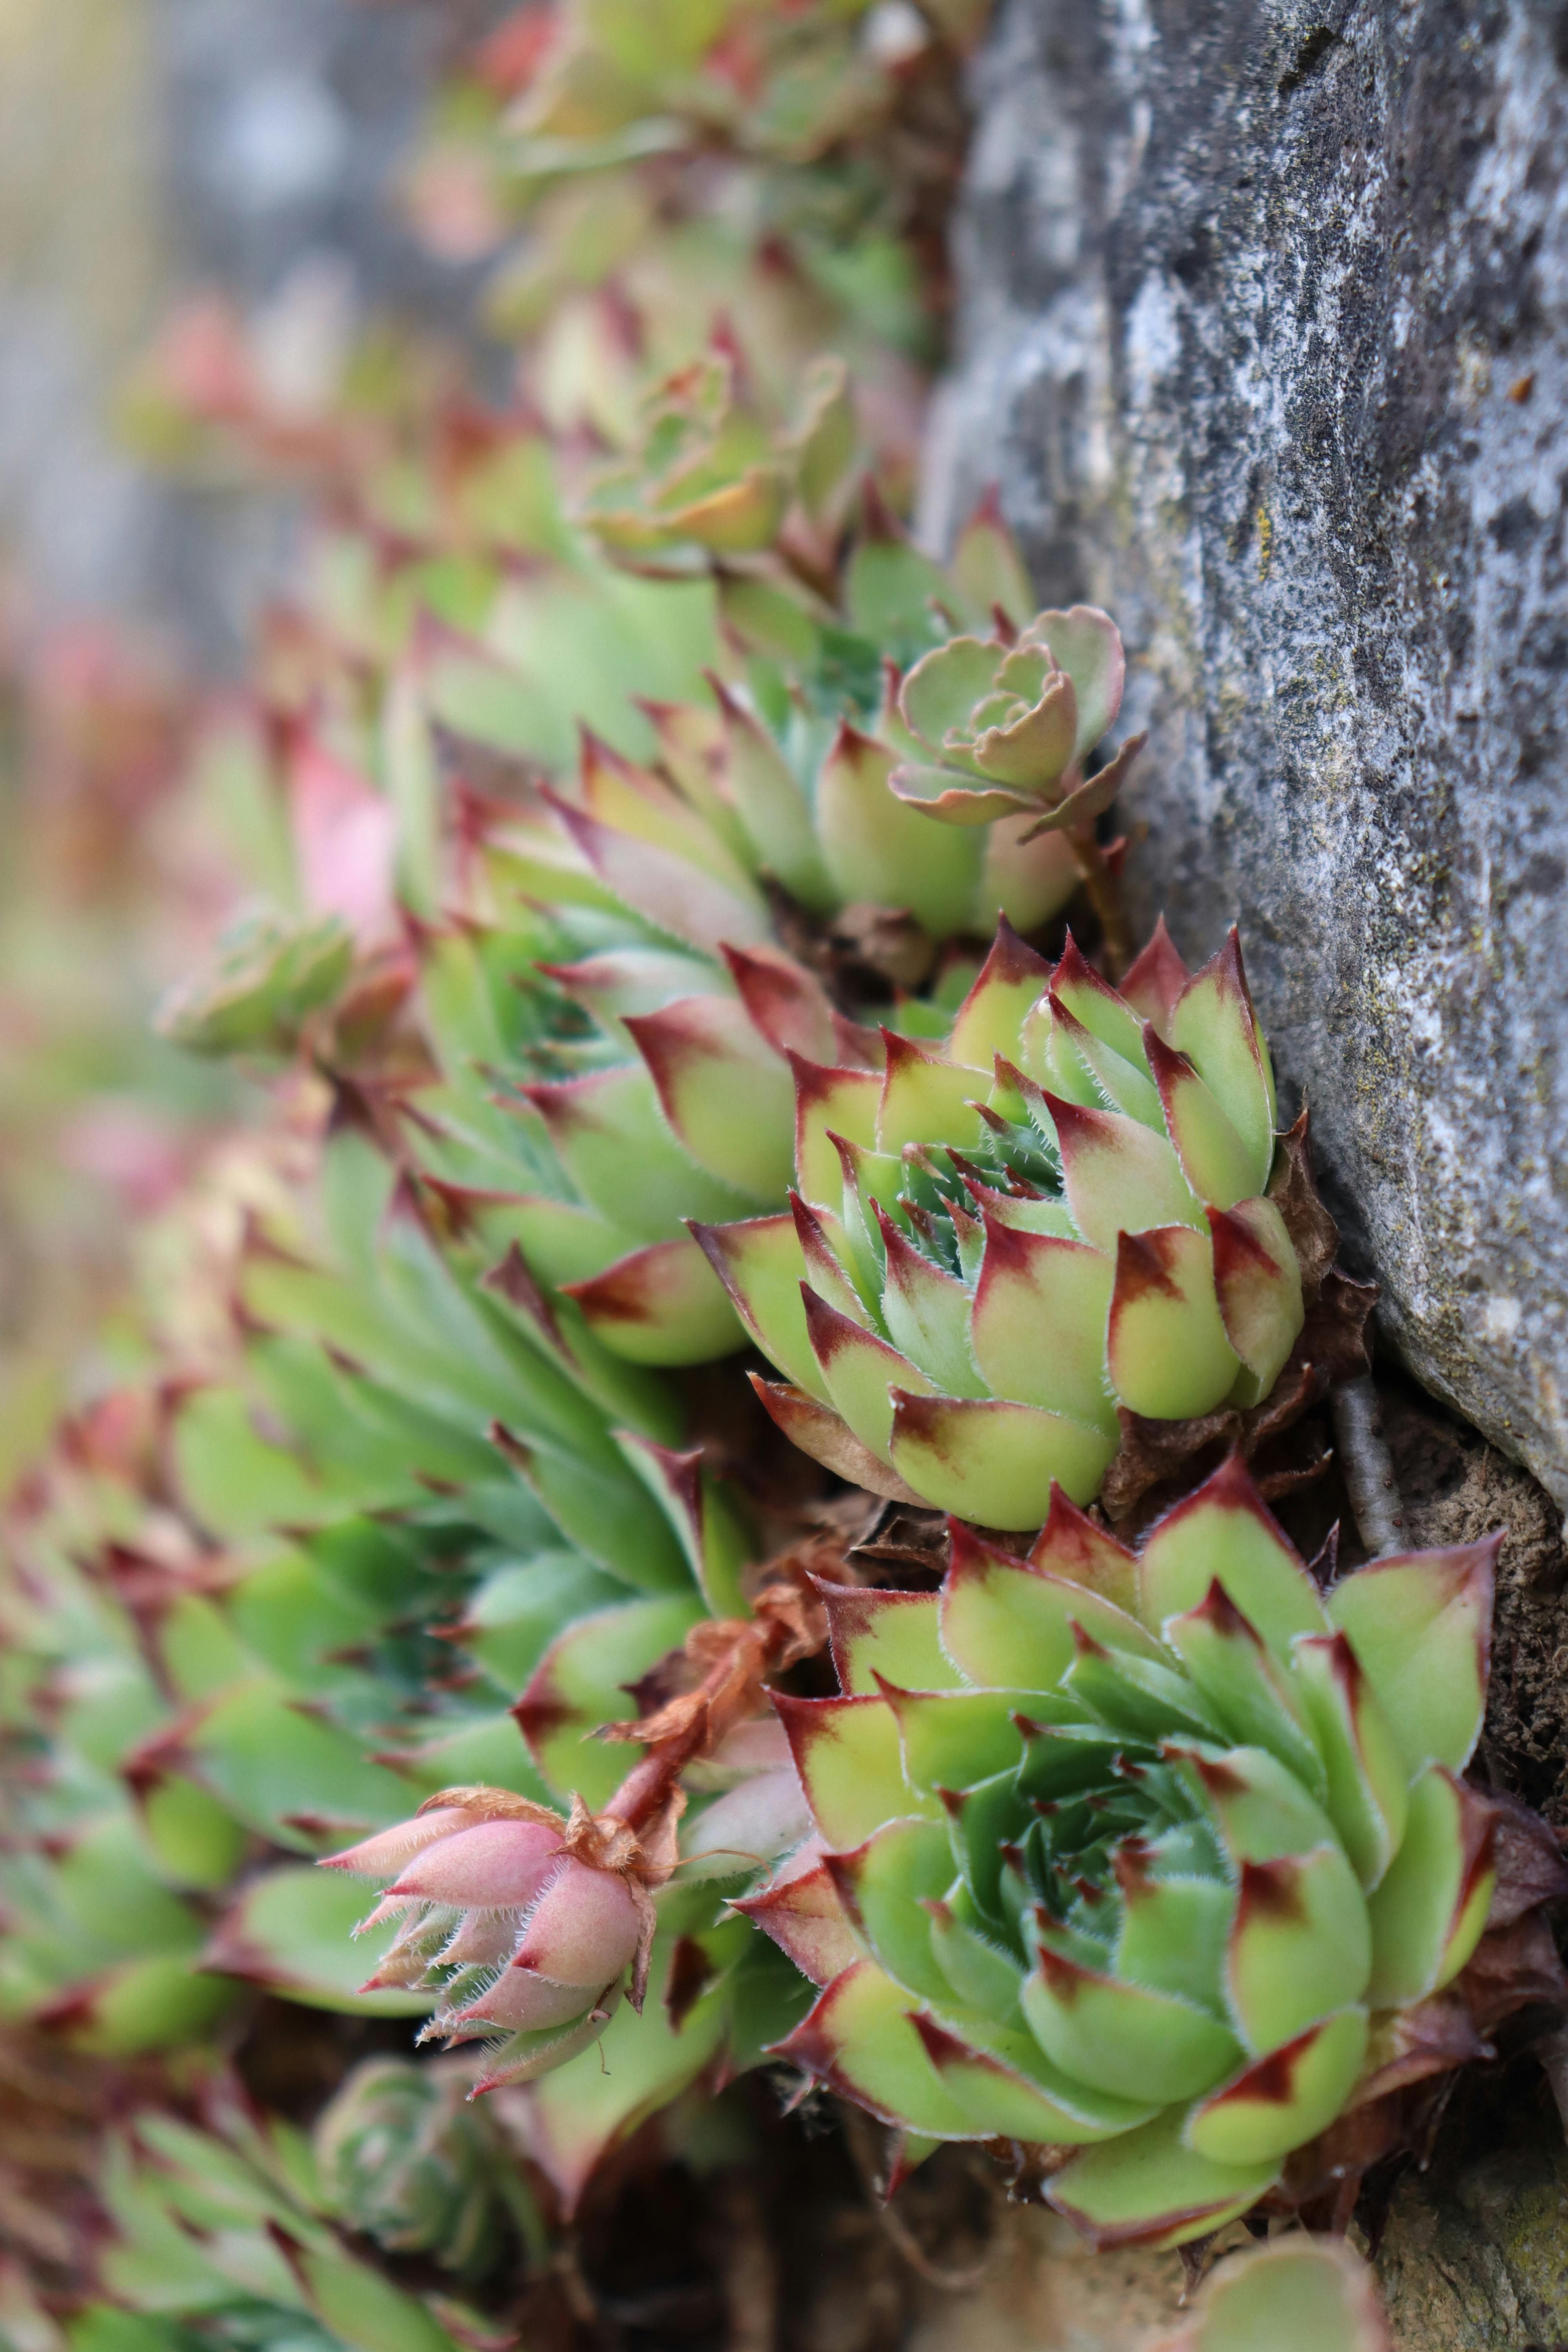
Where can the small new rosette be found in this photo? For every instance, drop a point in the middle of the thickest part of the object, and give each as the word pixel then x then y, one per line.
pixel 998 1240
pixel 404 2159
pixel 1001 726
pixel 1149 1862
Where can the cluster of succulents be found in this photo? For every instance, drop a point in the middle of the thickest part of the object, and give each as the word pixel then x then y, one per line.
pixel 664 967
pixel 1149 1860
pixel 240 2227
pixel 796 163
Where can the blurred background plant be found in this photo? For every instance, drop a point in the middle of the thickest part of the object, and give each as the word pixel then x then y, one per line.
pixel 219 1650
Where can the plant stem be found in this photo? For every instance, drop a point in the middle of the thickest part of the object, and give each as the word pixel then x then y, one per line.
pixel 1368 1466
pixel 1105 896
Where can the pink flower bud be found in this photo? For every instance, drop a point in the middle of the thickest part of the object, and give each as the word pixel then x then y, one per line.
pixel 390 1908
pixel 494 1866
pixel 383 1855
pixel 521 2001
pixel 583 1929
pixel 410 1953
pixel 483 1939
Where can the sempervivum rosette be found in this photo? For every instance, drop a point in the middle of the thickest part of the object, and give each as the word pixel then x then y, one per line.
pixel 688 899
pixel 1153 1864
pixel 998 1240
pixel 1001 726
pixel 407 2159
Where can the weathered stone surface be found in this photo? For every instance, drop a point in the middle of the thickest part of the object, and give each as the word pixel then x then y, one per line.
pixel 1265 335
pixel 1477 2261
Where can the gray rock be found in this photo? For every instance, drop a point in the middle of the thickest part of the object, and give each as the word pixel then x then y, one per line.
pixel 1264 333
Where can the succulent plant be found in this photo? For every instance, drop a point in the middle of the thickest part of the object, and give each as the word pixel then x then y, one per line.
pixel 404 2157
pixel 1293 2294
pixel 1155 1869
pixel 998 1241
pixel 710 477
pixel 224 2233
pixel 792 168
pixel 1152 1861
pixel 694 921
pixel 1002 726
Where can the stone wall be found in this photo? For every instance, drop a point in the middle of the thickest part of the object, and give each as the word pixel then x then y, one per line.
pixel 1264 333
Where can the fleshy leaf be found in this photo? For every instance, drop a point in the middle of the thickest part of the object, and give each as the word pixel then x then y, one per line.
pixel 885 1885
pixel 1149 2189
pixel 862 1372
pixel 848 1756
pixel 772 807
pixel 1292 2294
pixel 1087 643
pixel 829 1102
pixel 993 1461
pixel 1126 2039
pixel 664 1304
pixel 1284 2099
pixel 1073 1546
pixel 1258 1282
pixel 663 886
pixel 877 850
pixel 1420 1624
pixel 1301 1946
pixel 805 1915
pixel 1224 1529
pixel 725 1092
pixel 1366 1773
pixel 860 2040
pixel 878 1636
pixel 1249 1691
pixel 608 1122
pixel 1009 982
pixel 1039 1319
pixel 759 1262
pixel 1215 1160
pixel 1216 1027
pixel 819 1431
pixel 1429 1909
pixel 1020 2094
pixel 926 1099
pixel 952 1739
pixel 1167 1347
pixel 1119 1177
pixel 1004 1623
pixel 1153 981
pixel 926 1310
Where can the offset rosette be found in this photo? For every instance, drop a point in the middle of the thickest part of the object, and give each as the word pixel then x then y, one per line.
pixel 523 1925
pixel 406 2159
pixel 1002 726
pixel 708 478
pixel 1149 1862
pixel 997 1241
